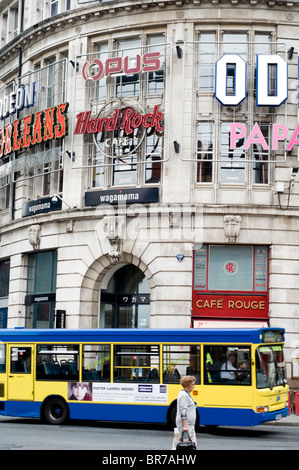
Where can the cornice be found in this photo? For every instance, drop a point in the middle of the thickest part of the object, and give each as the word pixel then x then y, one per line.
pixel 96 10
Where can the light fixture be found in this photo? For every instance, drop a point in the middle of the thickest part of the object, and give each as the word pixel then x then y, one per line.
pixel 179 52
pixel 176 147
pixel 290 53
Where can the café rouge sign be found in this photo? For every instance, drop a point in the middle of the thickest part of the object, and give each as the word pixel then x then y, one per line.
pixel 34 129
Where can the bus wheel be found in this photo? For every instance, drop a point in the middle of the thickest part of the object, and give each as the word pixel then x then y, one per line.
pixel 172 417
pixel 55 411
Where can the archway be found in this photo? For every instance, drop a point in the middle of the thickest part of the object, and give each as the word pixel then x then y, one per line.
pixel 125 298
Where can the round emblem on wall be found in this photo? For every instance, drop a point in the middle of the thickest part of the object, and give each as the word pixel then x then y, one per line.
pixel 121 130
pixel 230 268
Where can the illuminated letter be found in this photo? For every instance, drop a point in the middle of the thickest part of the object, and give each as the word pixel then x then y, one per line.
pixel 263 98
pixel 16 140
pixel 259 140
pixel 276 137
pixel 135 69
pixel 26 132
pixel 113 65
pixel 151 61
pixel 37 129
pixel 61 126
pixel 237 67
pixel 234 136
pixel 294 140
pixel 49 124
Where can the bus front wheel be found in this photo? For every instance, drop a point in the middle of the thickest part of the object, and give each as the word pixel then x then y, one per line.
pixel 55 411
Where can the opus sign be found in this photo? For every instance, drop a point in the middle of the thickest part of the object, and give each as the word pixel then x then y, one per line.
pixel 95 70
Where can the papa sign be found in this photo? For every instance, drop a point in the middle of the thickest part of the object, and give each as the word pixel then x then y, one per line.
pixel 238 68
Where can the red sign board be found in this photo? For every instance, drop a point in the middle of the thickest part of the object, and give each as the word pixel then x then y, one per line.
pixel 230 282
pixel 231 305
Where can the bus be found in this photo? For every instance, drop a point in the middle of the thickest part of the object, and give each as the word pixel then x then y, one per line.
pixel 133 375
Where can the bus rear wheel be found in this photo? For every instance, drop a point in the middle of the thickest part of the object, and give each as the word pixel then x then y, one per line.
pixel 55 411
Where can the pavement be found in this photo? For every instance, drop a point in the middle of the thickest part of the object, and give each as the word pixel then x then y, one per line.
pixel 290 420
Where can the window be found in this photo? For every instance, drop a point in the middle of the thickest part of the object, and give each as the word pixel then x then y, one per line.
pixel 179 360
pixel 156 78
pixel 42 269
pixel 20 360
pixel 15 13
pixel 4 278
pixel 231 281
pixel 128 84
pixel 213 142
pixel 54 7
pixel 57 362
pixel 204 151
pixel 138 363
pixel 270 366
pixel 227 365
pixel 206 62
pixel 96 363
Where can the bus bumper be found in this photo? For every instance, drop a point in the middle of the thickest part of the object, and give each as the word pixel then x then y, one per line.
pixel 237 416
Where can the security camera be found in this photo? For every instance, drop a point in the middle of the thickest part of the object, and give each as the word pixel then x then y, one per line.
pixel 294 171
pixel 54 199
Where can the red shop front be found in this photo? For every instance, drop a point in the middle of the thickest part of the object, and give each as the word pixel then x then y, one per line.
pixel 230 284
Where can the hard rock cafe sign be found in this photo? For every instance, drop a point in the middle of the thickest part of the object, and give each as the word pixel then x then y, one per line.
pixel 120 126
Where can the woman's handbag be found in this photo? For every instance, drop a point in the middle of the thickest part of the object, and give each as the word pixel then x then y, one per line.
pixel 185 447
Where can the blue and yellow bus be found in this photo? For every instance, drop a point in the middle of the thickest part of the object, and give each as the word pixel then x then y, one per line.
pixel 133 375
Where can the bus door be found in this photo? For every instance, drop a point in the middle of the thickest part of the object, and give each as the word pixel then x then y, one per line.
pixel 20 373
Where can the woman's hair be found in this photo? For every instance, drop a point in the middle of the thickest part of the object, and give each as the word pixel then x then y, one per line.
pixel 187 380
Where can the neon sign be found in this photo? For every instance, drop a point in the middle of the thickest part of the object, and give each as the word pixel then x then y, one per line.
pixel 279 133
pixel 34 129
pixel 234 67
pixel 123 119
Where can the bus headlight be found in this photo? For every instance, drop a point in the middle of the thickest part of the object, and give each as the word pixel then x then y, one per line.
pixel 262 409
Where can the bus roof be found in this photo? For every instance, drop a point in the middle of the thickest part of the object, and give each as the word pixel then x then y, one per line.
pixel 238 335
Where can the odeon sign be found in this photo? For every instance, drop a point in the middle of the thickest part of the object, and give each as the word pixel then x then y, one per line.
pixel 239 66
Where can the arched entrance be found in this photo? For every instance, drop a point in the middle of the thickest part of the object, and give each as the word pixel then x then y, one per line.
pixel 125 299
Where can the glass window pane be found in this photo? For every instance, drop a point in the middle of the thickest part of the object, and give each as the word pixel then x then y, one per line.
pixel 204 151
pixel 57 362
pixel 2 358
pixel 156 78
pixel 96 363
pixel 231 268
pixel 136 363
pixel 229 365
pixel 231 171
pixel 206 61
pixel 128 84
pixel 180 360
pixel 235 43
pixel 20 360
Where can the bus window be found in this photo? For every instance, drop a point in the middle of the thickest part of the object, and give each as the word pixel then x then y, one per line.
pixel 57 362
pixel 96 362
pixel 2 358
pixel 179 360
pixel 20 360
pixel 139 363
pixel 270 366
pixel 229 365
